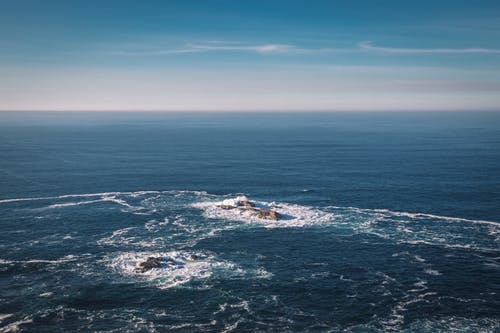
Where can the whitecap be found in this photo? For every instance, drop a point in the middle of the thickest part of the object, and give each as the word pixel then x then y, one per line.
pixel 118 237
pixel 419 258
pixel 183 271
pixel 414 215
pixel 151 225
pixel 432 272
pixel 69 204
pixel 80 195
pixel 119 201
pixel 421 285
pixel 62 260
pixel 15 326
pixel 345 279
pixel 5 316
pixel 65 196
pixel 232 327
pixel 455 324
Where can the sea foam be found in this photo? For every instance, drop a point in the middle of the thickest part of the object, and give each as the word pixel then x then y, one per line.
pixel 184 271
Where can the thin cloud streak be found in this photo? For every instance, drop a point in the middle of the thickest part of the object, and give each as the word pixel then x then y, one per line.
pixel 214 47
pixel 265 48
pixel 231 46
pixel 369 46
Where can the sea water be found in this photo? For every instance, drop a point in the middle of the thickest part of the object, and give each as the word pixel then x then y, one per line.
pixel 391 222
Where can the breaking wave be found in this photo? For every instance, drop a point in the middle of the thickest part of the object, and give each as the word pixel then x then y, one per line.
pixel 182 270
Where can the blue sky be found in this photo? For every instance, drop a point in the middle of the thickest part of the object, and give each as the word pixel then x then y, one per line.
pixel 249 55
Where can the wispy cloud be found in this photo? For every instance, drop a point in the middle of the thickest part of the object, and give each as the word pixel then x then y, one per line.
pixel 369 46
pixel 277 48
pixel 218 46
pixel 262 48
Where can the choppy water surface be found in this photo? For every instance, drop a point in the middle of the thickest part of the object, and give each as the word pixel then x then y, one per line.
pixel 69 262
pixel 68 258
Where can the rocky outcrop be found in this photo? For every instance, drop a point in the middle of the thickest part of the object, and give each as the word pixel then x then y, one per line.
pixel 155 262
pixel 227 207
pixel 245 203
pixel 150 263
pixel 269 214
pixel 250 207
pixel 161 262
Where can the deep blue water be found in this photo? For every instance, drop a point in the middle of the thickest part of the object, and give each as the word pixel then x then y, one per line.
pixel 393 222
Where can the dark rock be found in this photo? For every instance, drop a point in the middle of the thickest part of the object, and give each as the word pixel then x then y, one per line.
pixel 249 206
pixel 153 262
pixel 268 214
pixel 245 203
pixel 226 207
pixel 161 262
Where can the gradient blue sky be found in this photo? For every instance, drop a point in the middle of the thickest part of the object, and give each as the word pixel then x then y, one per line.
pixel 249 55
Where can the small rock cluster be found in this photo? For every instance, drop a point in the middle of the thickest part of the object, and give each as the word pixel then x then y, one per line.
pixel 242 205
pixel 158 262
pixel 249 206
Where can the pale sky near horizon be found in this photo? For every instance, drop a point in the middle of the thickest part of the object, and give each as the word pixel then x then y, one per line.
pixel 249 55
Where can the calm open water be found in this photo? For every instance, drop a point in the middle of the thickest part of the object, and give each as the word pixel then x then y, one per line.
pixel 392 222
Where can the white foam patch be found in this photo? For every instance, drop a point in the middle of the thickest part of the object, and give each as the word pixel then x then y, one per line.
pixel 5 316
pixel 106 197
pixel 76 203
pixel 455 324
pixel 292 215
pixel 48 262
pixel 151 225
pixel 15 326
pixel 81 195
pixel 122 237
pixel 388 212
pixel 119 201
pixel 182 272
pixel 441 242
pixel 431 271
pixel 421 229
pixel 46 294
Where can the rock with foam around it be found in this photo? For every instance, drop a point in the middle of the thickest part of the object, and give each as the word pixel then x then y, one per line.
pixel 152 262
pixel 245 203
pixel 250 207
pixel 268 214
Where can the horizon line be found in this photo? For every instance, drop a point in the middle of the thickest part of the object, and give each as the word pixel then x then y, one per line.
pixel 256 110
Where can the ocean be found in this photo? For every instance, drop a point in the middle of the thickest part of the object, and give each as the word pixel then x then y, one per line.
pixel 390 222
